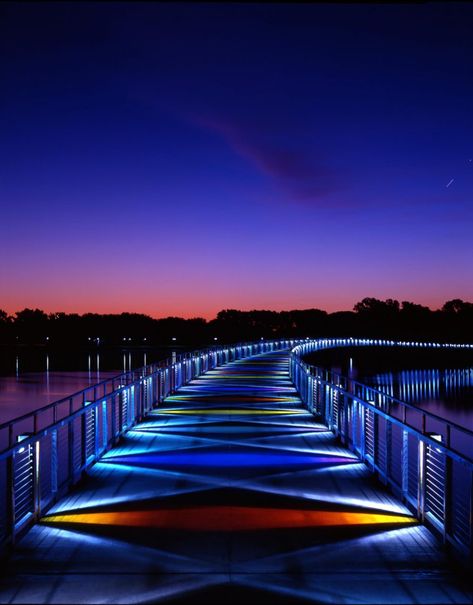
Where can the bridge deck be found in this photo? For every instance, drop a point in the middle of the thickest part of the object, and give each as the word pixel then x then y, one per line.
pixel 230 491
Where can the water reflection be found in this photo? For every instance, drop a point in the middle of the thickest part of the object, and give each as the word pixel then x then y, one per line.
pixel 446 392
pixel 47 373
pixel 33 377
pixel 31 390
pixel 440 382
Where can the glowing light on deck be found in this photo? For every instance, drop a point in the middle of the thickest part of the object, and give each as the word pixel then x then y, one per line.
pixel 222 458
pixel 230 518
pixel 228 411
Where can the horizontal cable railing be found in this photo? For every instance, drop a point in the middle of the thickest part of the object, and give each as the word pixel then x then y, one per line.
pixel 44 453
pixel 426 460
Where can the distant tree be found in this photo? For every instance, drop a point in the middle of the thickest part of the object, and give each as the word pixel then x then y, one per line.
pixel 416 321
pixel 229 315
pixel 5 327
pixel 375 306
pixel 31 324
pixel 409 307
pixel 306 322
pixel 31 316
pixel 457 305
pixel 378 318
pixel 371 317
pixel 344 323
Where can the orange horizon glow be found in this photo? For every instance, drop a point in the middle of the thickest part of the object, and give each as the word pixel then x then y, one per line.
pixel 181 310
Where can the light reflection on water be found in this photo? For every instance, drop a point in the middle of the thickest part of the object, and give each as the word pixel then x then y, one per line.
pixel 440 382
pixel 447 393
pixel 26 392
pixel 33 378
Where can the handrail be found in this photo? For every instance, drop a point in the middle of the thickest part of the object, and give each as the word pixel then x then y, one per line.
pixel 124 377
pixel 150 368
pixel 363 342
pixel 426 460
pixel 44 453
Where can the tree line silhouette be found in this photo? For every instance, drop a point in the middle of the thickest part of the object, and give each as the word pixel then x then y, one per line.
pixel 370 317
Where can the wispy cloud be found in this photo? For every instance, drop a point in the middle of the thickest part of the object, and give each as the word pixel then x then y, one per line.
pixel 297 171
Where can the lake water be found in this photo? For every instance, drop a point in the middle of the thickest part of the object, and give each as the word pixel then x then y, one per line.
pixel 438 381
pixel 35 376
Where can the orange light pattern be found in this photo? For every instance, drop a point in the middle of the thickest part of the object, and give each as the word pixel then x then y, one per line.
pixel 230 518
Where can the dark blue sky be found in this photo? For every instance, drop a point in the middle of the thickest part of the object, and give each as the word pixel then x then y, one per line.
pixel 183 158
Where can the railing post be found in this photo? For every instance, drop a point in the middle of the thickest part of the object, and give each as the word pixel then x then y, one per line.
pixel 141 408
pixel 121 410
pixel 362 432
pixel 310 393
pixel 405 464
pixel 83 421
pixel 104 425
pixel 36 481
pixel 54 462
pixel 70 440
pixel 354 424
pixel 154 389
pixel 10 494
pixel 113 419
pixel 96 432
pixel 337 396
pixel 375 440
pixel 387 457
pixel 346 406
pixel 447 508
pixel 328 411
pixel 422 473
pixel 143 398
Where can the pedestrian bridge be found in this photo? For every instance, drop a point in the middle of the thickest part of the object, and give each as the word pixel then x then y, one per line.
pixel 230 474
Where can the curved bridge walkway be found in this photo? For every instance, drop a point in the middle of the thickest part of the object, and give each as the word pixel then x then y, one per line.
pixel 230 492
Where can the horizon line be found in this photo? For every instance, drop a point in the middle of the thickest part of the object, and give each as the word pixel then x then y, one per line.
pixel 208 318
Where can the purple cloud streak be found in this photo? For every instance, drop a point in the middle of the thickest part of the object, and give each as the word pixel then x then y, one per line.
pixel 300 174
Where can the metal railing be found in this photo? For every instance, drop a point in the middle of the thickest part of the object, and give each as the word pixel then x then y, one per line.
pixel 45 452
pixel 426 460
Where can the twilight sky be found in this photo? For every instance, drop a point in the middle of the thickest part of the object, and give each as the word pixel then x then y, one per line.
pixel 177 159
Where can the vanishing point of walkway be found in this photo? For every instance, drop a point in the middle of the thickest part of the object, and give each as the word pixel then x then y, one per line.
pixel 230 492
